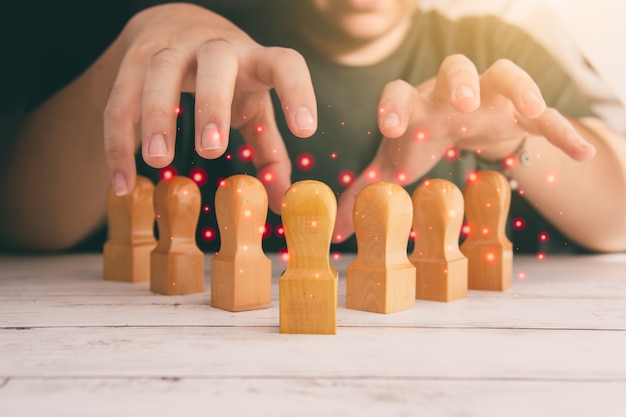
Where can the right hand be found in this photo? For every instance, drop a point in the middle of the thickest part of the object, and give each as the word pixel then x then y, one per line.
pixel 174 48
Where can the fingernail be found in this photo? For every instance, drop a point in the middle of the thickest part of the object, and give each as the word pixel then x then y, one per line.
pixel 157 146
pixel 120 188
pixel 211 138
pixel 391 120
pixel 304 119
pixel 464 91
pixel 530 97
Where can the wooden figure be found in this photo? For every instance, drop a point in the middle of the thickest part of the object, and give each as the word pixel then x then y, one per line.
pixel 308 287
pixel 241 274
pixel 177 264
pixel 381 279
pixel 126 254
pixel 487 196
pixel 441 267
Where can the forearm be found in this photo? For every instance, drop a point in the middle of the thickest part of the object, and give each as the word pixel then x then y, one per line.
pixel 585 200
pixel 53 174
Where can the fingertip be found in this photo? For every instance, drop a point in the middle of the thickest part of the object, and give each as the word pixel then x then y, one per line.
pixel 465 99
pixel 305 122
pixel 120 185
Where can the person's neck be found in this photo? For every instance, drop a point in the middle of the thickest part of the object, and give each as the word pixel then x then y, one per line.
pixel 353 53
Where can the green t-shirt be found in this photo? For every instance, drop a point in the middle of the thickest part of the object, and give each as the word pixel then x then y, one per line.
pixel 347 136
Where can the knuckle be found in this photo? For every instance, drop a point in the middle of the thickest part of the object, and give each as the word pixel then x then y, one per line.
pixel 165 58
pixel 157 113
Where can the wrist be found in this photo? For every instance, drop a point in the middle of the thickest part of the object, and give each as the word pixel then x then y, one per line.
pixel 506 163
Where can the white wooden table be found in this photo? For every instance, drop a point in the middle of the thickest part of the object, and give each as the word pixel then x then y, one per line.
pixel 74 345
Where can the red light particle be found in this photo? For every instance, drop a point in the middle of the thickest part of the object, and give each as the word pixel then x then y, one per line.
pixel 283 255
pixel 305 161
pixel 451 154
pixel 336 256
pixel 543 237
pixel 167 173
pixel 372 174
pixel 228 156
pixel 267 177
pixel 178 110
pixel 198 175
pixel 267 230
pixel 333 155
pixel 465 230
pixel 508 162
pixel 208 234
pixel 259 129
pixel 463 129
pixel 402 177
pixel 413 235
pixel 490 257
pixel 280 230
pixel 519 223
pixel 472 176
pixel 246 154
pixel 551 179
pixel 346 177
pixel 541 256
pixel 420 135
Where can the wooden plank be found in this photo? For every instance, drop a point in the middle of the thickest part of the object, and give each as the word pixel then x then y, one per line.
pixel 288 397
pixel 353 353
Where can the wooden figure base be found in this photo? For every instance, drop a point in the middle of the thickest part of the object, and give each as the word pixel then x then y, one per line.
pixel 489 268
pixel 380 291
pixel 177 274
pixel 127 263
pixel 247 288
pixel 308 305
pixel 440 280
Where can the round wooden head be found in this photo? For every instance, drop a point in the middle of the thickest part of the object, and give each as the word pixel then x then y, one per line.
pixel 177 208
pixel 487 197
pixel 308 211
pixel 437 219
pixel 241 210
pixel 382 218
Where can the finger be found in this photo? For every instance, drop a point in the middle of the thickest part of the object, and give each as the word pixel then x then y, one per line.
pixel 215 87
pixel 121 114
pixel 286 71
pixel 270 158
pixel 395 108
pixel 510 81
pixel 562 134
pixel 160 105
pixel 458 84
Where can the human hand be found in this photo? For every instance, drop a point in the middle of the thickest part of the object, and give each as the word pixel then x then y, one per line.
pixel 488 113
pixel 174 48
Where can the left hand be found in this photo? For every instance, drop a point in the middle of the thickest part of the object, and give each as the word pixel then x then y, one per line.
pixel 488 113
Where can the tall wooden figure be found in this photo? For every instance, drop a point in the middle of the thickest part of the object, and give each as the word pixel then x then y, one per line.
pixel 241 274
pixel 381 279
pixel 126 253
pixel 441 267
pixel 308 287
pixel 177 264
pixel 489 252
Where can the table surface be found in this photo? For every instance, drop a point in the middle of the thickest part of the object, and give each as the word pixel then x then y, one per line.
pixel 72 344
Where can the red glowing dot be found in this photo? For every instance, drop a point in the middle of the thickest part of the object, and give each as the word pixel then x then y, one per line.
pixel 472 176
pixel 267 177
pixel 259 129
pixel 221 182
pixel 280 230
pixel 167 173
pixel 543 237
pixel 381 110
pixel 246 153
pixel 206 209
pixel 208 234
pixel 346 177
pixel 283 255
pixel 463 129
pixel 420 135
pixel 551 179
pixel 305 161
pixel 541 256
pixel 333 155
pixel 413 234
pixel 228 156
pixel 336 256
pixel 198 175
pixel 508 162
pixel 465 230
pixel 178 110
pixel 519 223
pixel 372 174
pixel 451 154
pixel 521 276
pixel 266 230
pixel 490 257
pixel 402 177
pixel 485 231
